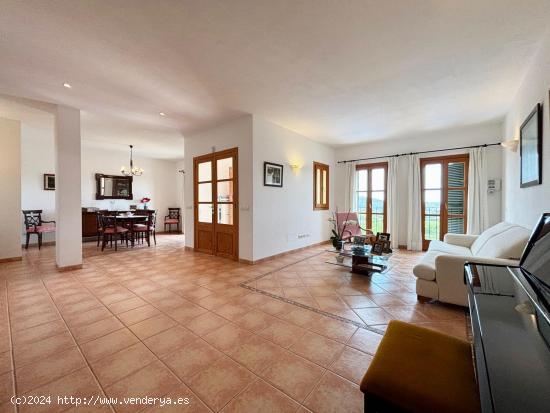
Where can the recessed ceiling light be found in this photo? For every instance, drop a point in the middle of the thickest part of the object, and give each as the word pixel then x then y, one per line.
pixel 67 85
pixel 162 114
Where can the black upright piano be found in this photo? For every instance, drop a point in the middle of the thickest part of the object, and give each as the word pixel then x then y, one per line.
pixel 510 318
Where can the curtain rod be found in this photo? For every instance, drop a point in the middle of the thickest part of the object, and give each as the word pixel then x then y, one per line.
pixel 417 153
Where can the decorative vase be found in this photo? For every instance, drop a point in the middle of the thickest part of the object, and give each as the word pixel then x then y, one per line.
pixel 338 244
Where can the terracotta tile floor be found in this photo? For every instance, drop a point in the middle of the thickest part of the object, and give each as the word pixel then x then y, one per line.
pixel 163 321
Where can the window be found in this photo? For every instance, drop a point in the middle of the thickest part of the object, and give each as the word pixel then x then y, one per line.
pixel 444 197
pixel 370 196
pixel 320 186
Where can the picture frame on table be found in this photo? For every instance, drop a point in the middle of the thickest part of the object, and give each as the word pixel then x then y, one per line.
pixel 378 248
pixel 382 236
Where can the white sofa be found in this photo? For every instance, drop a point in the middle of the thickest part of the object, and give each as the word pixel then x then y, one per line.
pixel 440 273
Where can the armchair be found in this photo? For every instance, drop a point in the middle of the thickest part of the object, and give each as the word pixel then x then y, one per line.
pixel 34 224
pixel 173 218
pixel 350 221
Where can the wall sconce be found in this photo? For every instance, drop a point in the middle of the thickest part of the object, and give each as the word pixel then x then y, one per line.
pixel 295 167
pixel 510 144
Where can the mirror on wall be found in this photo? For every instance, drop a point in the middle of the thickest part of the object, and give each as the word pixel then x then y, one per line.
pixel 113 187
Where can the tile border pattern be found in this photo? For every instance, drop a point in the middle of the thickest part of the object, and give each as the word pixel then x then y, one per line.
pixel 304 306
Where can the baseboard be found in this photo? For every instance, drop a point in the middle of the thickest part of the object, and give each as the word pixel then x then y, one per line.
pixel 10 259
pixel 272 257
pixel 69 268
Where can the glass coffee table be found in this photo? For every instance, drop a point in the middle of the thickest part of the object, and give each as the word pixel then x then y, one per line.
pixel 359 259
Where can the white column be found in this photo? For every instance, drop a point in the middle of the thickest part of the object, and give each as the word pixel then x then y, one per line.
pixel 10 188
pixel 68 238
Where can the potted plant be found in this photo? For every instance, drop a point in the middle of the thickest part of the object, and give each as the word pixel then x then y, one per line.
pixel 144 201
pixel 338 233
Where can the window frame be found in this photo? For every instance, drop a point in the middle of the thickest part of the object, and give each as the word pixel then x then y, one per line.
pixel 443 207
pixel 368 214
pixel 323 168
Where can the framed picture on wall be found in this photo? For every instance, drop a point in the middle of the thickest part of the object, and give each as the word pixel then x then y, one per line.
pixel 273 174
pixel 49 182
pixel 530 144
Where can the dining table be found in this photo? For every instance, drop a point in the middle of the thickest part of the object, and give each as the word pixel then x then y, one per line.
pixel 130 220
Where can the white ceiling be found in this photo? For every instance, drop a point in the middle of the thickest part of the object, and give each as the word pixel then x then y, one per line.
pixel 336 71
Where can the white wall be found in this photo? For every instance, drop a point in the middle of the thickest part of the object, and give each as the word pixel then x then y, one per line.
pixel 236 133
pixel 281 214
pixel 10 188
pixel 37 159
pixel 457 137
pixel 159 181
pixel 525 205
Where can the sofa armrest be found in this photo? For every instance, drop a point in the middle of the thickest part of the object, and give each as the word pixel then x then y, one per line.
pixel 449 275
pixel 460 239
pixel 450 264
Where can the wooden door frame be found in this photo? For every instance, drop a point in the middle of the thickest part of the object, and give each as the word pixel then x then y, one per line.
pixel 369 167
pixel 443 214
pixel 214 157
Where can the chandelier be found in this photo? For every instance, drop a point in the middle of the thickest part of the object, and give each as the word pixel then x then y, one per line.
pixel 133 171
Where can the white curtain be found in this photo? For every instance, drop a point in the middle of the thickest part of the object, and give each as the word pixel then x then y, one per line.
pixel 414 230
pixel 350 202
pixel 393 212
pixel 477 191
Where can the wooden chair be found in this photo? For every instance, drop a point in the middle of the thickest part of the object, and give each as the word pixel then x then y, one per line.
pixel 146 230
pixel 111 230
pixel 34 224
pixel 98 224
pixel 173 218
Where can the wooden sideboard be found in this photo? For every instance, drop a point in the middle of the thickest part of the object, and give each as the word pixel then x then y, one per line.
pixel 89 225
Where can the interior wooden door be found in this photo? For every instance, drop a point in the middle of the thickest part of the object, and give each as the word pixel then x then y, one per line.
pixel 216 203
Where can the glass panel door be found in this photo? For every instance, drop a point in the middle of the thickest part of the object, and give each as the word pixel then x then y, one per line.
pixel 216 197
pixel 432 188
pixel 224 191
pixel 204 192
pixel 370 196
pixel 444 193
pixel 378 199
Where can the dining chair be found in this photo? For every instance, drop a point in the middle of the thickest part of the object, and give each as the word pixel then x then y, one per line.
pixel 98 224
pixel 144 231
pixel 34 224
pixel 112 230
pixel 173 218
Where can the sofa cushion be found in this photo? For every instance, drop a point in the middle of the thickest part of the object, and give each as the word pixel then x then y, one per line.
pixel 450 249
pixel 503 240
